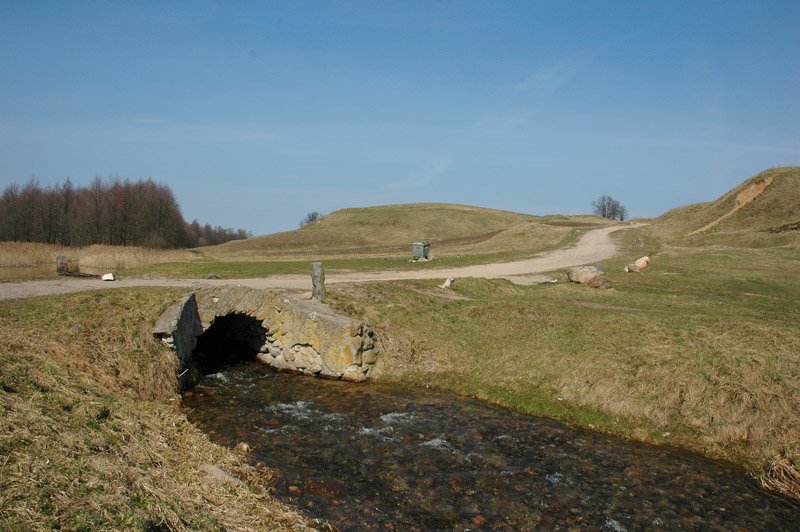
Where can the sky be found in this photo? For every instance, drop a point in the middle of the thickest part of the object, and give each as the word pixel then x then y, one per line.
pixel 256 113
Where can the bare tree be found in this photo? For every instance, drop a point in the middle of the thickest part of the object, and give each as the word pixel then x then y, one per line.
pixel 313 216
pixel 119 212
pixel 610 208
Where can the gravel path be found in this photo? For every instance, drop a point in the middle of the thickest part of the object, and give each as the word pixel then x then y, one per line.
pixel 594 246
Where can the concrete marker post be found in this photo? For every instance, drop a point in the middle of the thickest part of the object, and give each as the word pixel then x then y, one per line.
pixel 318 281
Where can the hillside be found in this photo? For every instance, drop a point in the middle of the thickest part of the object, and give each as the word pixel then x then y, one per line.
pixel 763 211
pixel 390 230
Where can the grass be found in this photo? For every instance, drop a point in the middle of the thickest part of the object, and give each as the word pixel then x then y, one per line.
pixel 229 269
pixel 701 350
pixel 776 206
pixel 23 260
pixel 371 239
pixel 92 437
pixel 389 231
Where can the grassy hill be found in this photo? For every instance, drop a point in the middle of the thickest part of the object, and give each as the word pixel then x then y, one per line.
pixel 763 211
pixel 389 231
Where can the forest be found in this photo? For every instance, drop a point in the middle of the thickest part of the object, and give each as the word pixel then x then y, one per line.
pixel 112 212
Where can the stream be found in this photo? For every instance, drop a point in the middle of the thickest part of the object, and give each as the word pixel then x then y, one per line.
pixel 375 456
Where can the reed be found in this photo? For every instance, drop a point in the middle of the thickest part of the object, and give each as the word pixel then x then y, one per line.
pixel 22 260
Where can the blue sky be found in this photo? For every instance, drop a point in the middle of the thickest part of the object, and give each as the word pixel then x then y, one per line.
pixel 256 113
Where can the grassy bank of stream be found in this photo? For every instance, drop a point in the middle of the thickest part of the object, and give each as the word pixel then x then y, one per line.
pixel 701 350
pixel 91 435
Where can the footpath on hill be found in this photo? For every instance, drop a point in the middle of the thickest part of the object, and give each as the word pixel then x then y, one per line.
pixel 593 246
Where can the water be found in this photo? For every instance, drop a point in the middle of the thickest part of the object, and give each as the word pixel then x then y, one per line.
pixel 382 457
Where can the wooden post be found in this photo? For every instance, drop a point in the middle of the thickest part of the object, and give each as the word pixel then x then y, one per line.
pixel 317 281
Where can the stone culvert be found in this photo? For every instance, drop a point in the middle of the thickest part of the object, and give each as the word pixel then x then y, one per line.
pixel 215 327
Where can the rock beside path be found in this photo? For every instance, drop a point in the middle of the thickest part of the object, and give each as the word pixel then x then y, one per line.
pixel 590 276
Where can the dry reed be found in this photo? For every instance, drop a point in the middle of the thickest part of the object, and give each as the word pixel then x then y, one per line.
pixel 15 257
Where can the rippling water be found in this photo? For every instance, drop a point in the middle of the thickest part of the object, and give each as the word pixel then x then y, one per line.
pixel 383 457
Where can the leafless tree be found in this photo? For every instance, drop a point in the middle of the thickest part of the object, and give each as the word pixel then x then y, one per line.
pixel 610 208
pixel 118 212
pixel 313 216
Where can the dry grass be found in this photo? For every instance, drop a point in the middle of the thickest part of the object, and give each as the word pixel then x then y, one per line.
pixel 116 258
pixel 92 437
pixel 742 217
pixel 19 260
pixel 701 350
pixel 390 230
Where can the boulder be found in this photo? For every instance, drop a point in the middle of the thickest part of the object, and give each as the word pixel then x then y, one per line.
pixel 590 276
pixel 108 277
pixel 217 474
pixel 582 274
pixel 638 265
pixel 601 281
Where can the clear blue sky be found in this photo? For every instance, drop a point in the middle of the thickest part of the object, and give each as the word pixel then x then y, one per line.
pixel 256 113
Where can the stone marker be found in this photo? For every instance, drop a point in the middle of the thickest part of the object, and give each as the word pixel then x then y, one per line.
pixel 62 267
pixel 640 264
pixel 317 281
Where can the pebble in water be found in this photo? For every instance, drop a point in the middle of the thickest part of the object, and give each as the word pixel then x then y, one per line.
pixel 364 457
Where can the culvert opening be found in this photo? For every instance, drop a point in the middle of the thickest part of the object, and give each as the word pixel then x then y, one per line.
pixel 229 340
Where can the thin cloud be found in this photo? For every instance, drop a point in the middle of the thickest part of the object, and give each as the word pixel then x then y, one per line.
pixel 427 174
pixel 187 132
pixel 792 147
pixel 546 80
pixel 149 121
pixel 525 99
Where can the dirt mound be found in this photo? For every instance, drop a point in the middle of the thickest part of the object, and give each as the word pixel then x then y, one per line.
pixel 761 212
pixel 743 198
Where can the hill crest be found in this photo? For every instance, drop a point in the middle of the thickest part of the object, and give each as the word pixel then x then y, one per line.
pixel 768 202
pixel 390 230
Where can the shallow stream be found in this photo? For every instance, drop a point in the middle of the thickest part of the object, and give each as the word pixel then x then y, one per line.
pixel 369 457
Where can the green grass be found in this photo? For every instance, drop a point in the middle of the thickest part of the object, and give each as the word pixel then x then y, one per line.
pixel 700 350
pixel 389 231
pixel 232 269
pixel 369 239
pixel 91 436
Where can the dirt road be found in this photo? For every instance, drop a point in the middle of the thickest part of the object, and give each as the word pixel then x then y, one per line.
pixel 594 246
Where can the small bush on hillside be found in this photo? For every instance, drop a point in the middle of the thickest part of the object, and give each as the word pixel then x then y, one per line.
pixel 313 216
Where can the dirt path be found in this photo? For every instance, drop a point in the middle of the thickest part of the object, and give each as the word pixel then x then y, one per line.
pixel 742 199
pixel 594 246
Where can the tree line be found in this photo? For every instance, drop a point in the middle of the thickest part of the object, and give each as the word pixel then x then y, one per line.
pixel 114 212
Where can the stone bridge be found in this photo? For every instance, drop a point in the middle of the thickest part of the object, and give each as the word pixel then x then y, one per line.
pixel 215 327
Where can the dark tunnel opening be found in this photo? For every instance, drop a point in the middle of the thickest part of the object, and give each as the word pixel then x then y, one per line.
pixel 229 340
